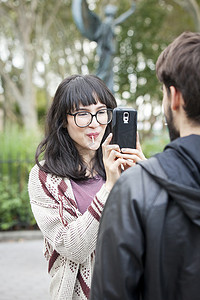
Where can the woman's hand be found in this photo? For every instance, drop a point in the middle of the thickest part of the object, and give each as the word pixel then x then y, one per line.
pixel 132 156
pixel 115 160
pixel 112 159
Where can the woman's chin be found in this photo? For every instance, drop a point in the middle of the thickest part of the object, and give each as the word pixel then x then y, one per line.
pixel 94 145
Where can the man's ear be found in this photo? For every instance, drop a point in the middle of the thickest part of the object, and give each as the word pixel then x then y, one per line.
pixel 176 98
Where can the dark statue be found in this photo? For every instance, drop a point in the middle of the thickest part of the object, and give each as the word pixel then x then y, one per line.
pixel 101 32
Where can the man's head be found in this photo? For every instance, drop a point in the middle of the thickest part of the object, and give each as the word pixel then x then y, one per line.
pixel 178 66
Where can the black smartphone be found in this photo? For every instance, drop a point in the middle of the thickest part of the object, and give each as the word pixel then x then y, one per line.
pixel 124 125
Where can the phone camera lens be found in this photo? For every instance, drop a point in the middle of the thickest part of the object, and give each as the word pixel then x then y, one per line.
pixel 126 117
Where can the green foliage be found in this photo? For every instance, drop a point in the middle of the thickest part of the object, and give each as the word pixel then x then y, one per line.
pixel 155 144
pixel 141 39
pixel 141 42
pixel 17 143
pixel 17 150
pixel 15 207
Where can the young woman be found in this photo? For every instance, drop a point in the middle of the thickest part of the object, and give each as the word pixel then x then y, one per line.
pixel 69 187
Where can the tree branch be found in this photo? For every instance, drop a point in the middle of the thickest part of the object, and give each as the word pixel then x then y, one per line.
pixel 52 16
pixel 13 88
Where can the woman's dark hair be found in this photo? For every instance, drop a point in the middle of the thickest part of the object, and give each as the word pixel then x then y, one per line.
pixel 60 155
pixel 179 66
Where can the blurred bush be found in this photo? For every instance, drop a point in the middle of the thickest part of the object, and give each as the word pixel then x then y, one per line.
pixel 17 151
pixel 15 207
pixel 155 144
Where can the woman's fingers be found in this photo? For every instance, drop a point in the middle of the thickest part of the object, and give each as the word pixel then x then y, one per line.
pixel 113 170
pixel 138 141
pixel 107 148
pixel 138 146
pixel 133 154
pixel 107 140
pixel 114 159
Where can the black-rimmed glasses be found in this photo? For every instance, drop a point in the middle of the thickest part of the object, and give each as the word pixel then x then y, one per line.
pixel 84 118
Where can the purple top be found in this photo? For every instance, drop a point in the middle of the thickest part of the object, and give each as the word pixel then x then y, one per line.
pixel 84 191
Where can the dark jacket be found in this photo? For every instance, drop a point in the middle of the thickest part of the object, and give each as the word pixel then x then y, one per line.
pixel 149 239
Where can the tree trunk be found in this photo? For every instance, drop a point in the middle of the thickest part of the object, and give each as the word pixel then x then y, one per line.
pixel 28 105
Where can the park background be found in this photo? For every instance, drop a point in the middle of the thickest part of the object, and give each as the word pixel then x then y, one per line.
pixel 40 45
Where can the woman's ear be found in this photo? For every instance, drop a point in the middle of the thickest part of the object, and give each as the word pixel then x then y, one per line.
pixel 176 98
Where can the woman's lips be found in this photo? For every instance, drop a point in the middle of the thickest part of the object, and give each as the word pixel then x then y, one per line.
pixel 93 135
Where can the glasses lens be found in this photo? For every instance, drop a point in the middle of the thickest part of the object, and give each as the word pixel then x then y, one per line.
pixel 104 116
pixel 82 119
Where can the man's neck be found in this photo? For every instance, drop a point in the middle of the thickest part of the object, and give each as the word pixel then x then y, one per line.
pixel 188 130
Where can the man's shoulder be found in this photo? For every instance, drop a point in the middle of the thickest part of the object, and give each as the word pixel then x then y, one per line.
pixel 138 185
pixel 141 181
pixel 150 166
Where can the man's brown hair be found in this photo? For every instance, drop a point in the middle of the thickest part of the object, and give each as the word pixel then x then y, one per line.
pixel 179 66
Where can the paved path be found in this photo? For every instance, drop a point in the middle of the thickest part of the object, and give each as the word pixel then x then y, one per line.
pixel 23 270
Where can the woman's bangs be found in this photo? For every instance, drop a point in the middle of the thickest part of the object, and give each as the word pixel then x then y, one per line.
pixel 81 96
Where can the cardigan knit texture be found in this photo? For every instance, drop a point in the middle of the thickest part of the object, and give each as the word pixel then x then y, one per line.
pixel 69 236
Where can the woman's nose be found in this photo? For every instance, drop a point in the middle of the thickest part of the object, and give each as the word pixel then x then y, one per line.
pixel 94 122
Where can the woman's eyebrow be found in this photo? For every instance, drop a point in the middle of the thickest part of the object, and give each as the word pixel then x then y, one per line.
pixel 84 108
pixel 81 108
pixel 102 106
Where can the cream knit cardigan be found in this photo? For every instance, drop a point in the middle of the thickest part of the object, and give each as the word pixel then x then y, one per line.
pixel 70 237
